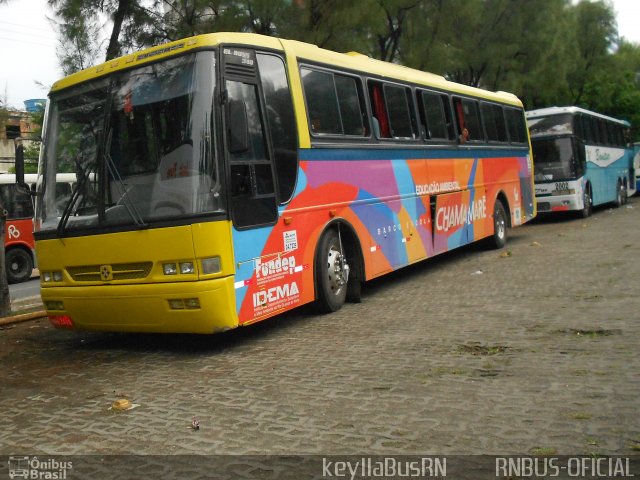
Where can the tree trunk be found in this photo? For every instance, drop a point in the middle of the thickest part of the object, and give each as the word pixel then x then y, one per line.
pixel 5 300
pixel 113 50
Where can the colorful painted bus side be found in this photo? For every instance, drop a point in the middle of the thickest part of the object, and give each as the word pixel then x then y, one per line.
pixel 226 178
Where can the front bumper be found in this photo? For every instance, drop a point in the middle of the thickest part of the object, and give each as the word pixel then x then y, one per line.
pixel 146 307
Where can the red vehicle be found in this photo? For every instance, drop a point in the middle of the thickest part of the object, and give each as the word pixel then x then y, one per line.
pixel 18 239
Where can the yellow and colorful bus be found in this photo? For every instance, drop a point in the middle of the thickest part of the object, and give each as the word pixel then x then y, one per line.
pixel 226 178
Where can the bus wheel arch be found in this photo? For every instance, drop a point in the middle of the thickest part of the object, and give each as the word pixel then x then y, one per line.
pixel 338 267
pixel 19 264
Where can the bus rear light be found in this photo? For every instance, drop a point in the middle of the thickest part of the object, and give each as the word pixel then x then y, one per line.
pixel 211 265
pixel 54 305
pixel 61 321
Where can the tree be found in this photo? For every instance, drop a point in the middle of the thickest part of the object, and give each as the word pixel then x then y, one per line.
pixel 614 89
pixel 596 32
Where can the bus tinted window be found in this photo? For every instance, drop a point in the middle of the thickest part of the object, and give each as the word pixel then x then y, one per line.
pixel 322 102
pixel 552 125
pixel 516 125
pixel 334 102
pixel 393 111
pixel 587 133
pixel 281 120
pixel 16 202
pixel 468 119
pixel 349 102
pixel 433 112
pixel 251 176
pixel 400 111
pixel 494 123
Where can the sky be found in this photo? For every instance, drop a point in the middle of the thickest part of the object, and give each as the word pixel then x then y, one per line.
pixel 28 46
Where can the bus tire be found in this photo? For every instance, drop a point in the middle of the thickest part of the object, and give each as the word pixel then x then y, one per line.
pixel 500 225
pixel 587 202
pixel 332 273
pixel 619 194
pixel 19 265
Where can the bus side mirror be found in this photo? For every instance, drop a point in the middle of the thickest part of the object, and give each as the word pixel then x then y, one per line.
pixel 238 127
pixel 19 152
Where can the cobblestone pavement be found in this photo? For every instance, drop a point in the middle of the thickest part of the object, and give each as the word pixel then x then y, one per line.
pixel 532 349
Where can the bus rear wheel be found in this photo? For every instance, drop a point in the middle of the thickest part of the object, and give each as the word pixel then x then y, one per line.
pixel 332 273
pixel 500 224
pixel 19 265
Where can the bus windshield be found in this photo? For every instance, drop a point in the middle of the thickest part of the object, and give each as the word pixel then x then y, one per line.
pixel 554 159
pixel 551 125
pixel 141 146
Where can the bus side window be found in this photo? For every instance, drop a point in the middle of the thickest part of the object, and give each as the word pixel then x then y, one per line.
pixel 252 186
pixel 281 120
pixel 433 109
pixel 380 117
pixel 494 123
pixel 463 135
pixel 399 105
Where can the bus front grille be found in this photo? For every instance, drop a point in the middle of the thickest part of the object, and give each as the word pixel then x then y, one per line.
pixel 119 271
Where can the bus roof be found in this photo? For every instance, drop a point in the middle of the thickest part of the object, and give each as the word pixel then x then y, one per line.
pixel 549 111
pixel 352 61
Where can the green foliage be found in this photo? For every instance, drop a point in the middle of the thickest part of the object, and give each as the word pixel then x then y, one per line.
pixel 548 52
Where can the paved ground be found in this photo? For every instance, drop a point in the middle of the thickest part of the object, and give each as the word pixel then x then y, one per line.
pixel 534 349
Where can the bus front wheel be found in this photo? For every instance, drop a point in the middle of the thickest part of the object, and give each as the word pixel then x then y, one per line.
pixel 587 201
pixel 500 224
pixel 19 265
pixel 621 194
pixel 332 273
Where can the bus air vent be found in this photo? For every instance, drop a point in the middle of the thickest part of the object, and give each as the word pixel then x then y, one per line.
pixel 120 271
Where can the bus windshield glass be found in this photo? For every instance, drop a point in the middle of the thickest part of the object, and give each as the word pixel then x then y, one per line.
pixel 554 159
pixel 551 125
pixel 140 144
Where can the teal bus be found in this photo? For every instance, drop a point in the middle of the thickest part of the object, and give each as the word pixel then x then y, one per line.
pixel 581 159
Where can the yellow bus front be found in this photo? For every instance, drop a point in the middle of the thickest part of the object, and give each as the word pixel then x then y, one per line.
pixel 174 279
pixel 143 242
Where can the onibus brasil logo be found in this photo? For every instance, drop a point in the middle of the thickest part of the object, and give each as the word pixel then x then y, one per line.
pixel 34 468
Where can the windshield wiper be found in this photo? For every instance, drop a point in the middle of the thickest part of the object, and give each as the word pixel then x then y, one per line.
pixel 75 195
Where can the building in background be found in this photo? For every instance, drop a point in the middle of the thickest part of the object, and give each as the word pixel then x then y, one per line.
pixel 18 124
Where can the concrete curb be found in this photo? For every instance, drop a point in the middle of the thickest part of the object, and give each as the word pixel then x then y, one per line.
pixel 23 317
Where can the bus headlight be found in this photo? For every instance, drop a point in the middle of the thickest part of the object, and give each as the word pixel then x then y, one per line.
pixel 187 267
pixel 54 276
pixel 169 268
pixel 211 265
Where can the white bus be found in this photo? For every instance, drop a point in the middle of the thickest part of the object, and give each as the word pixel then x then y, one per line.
pixel 581 159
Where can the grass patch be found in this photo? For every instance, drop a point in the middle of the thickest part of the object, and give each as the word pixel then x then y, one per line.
pixel 543 451
pixel 482 350
pixel 580 416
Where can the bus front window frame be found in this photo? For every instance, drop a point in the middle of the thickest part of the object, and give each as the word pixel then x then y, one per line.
pixel 172 184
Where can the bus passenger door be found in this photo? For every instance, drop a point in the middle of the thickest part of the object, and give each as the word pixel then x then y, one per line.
pixel 250 181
